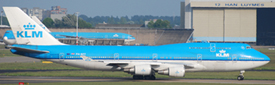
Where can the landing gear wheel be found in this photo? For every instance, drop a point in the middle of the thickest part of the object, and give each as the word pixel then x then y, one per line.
pixel 240 77
pixel 136 77
pixel 150 77
pixel 153 77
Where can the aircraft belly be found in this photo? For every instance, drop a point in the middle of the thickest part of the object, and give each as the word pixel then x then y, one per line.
pixel 231 65
pixel 91 65
pixel 198 66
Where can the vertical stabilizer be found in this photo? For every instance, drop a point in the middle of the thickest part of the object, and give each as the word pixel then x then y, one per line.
pixel 40 23
pixel 26 30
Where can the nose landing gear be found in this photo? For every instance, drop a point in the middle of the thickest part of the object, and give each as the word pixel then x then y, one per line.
pixel 241 76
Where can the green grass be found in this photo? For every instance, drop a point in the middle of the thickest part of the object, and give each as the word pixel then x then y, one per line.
pixel 252 75
pixel 7 53
pixel 128 83
pixel 2 46
pixel 35 66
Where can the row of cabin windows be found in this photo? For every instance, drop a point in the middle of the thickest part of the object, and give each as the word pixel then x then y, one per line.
pixel 251 58
pixel 72 57
pixel 151 57
pixel 133 57
pixel 160 57
pixel 209 48
pixel 178 57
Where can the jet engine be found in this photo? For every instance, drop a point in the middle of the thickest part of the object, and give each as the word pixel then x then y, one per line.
pixel 174 71
pixel 140 70
pixel 9 41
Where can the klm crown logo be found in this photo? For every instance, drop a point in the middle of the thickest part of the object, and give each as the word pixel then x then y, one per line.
pixel 29 27
pixel 222 54
pixel 29 32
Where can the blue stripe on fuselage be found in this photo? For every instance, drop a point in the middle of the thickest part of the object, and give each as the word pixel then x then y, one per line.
pixel 183 51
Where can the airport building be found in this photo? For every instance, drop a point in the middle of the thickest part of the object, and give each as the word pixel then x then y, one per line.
pixel 250 21
pixel 57 12
pixel 35 11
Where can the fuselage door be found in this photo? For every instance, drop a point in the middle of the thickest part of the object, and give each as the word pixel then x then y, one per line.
pixel 199 57
pixel 212 47
pixel 116 56
pixel 155 57
pixel 61 56
pixel 234 58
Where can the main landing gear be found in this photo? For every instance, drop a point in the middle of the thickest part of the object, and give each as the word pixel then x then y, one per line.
pixel 146 77
pixel 241 76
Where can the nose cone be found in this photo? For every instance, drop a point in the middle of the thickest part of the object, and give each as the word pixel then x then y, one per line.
pixel 262 58
pixel 258 56
pixel 265 58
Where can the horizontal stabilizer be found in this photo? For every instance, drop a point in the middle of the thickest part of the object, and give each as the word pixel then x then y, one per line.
pixel 27 50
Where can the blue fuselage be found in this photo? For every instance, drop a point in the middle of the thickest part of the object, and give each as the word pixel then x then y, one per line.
pixel 90 35
pixel 184 51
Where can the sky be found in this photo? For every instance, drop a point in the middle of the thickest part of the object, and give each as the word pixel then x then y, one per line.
pixel 94 8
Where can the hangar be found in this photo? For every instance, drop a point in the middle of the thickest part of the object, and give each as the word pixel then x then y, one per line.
pixel 249 21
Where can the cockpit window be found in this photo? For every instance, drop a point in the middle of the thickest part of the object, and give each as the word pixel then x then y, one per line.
pixel 248 47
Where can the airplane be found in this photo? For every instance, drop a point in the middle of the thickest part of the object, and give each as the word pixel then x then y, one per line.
pixel 143 62
pixel 9 37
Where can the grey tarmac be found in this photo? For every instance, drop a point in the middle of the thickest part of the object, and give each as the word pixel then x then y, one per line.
pixel 16 79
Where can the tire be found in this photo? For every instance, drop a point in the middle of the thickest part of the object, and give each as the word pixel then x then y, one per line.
pixel 240 77
pixel 147 77
pixel 137 77
pixel 153 78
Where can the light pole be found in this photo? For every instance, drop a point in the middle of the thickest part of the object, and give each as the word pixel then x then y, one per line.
pixel 1 17
pixel 77 28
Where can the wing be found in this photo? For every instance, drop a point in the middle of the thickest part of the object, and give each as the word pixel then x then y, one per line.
pixel 155 65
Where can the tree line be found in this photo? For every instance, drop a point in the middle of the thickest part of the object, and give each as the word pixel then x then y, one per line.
pixel 136 19
pixel 69 21
pixel 5 21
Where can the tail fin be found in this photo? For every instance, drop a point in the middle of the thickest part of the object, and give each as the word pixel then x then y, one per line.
pixel 26 30
pixel 40 23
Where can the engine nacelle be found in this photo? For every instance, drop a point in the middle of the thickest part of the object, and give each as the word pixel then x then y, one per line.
pixel 174 71
pixel 141 70
pixel 9 41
